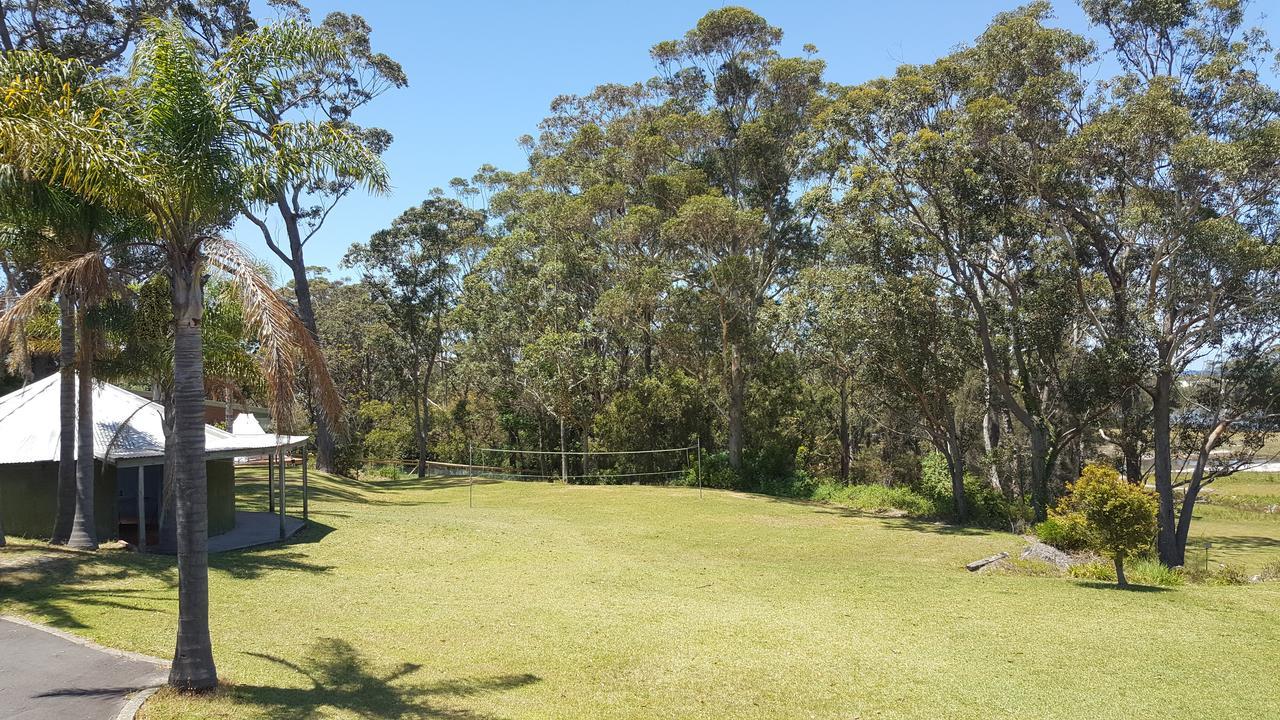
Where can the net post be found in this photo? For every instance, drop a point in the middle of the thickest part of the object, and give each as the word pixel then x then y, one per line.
pixel 471 476
pixel 699 473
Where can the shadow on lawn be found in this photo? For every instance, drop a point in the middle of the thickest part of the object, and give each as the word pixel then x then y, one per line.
pixel 57 578
pixel 892 521
pixel 1099 585
pixel 51 581
pixel 251 488
pixel 342 679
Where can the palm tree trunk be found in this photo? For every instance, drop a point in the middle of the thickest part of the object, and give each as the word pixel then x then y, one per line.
pixel 192 667
pixel 84 530
pixel 67 424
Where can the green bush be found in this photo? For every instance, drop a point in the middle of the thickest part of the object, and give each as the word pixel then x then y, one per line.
pixel 1270 571
pixel 1120 516
pixel 986 506
pixel 1066 531
pixel 874 498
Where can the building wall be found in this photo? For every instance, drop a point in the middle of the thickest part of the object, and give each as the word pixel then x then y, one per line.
pixel 222 496
pixel 29 499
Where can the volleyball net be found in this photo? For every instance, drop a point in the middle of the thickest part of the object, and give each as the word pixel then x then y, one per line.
pixel 663 466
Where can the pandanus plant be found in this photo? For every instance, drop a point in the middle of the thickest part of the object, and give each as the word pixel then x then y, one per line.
pixel 166 148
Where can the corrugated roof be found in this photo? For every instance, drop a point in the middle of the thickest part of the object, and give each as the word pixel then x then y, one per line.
pixel 127 429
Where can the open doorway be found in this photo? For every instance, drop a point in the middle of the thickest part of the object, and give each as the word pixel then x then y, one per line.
pixel 127 502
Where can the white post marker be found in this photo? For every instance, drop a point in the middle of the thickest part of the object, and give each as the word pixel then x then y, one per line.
pixel 305 489
pixel 282 461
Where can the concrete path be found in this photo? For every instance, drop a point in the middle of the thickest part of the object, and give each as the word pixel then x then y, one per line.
pixel 252 529
pixel 49 675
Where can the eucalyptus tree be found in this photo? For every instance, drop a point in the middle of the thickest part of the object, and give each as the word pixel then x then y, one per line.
pixel 1173 187
pixel 415 268
pixel 740 113
pixel 169 154
pixel 917 178
pixel 312 100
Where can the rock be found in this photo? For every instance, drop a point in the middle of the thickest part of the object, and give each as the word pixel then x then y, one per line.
pixel 979 564
pixel 1047 553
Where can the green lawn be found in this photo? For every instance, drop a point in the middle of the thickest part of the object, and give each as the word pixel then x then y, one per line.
pixel 548 601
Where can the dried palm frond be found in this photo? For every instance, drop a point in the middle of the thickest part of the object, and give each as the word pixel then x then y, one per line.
pixel 283 340
pixel 86 277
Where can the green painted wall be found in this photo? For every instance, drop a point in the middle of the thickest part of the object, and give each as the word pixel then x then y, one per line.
pixel 29 499
pixel 222 496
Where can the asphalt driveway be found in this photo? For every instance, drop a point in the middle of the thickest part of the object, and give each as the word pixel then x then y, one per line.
pixel 47 675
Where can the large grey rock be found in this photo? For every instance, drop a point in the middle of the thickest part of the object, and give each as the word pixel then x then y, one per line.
pixel 1048 553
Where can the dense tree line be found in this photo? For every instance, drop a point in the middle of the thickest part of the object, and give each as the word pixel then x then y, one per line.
pixel 1038 250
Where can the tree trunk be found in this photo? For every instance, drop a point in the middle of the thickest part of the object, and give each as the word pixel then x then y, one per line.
pixel 564 456
pixel 1120 579
pixel 1162 407
pixel 955 463
pixel 844 430
pixel 84 529
pixel 67 423
pixel 991 435
pixel 737 406
pixel 192 667
pixel 1129 433
pixel 326 443
pixel 1041 469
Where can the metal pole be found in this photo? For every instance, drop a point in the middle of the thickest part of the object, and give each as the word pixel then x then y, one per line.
pixel 282 458
pixel 305 489
pixel 142 513
pixel 471 478
pixel 699 468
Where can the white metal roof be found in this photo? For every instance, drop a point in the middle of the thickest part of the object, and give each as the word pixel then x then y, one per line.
pixel 128 430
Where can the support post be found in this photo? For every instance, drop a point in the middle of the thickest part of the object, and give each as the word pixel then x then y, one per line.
pixel 471 477
pixel 142 512
pixel 699 473
pixel 306 490
pixel 282 458
pixel 271 481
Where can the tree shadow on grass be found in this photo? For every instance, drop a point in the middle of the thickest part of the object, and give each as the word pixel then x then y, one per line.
pixel 341 678
pixel 1100 585
pixel 889 520
pixel 1235 542
pixel 58 580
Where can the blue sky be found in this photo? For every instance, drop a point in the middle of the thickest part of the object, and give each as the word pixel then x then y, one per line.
pixel 481 74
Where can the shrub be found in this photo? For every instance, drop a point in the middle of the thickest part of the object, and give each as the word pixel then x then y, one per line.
pixel 874 498
pixel 1144 571
pixel 1121 517
pixel 1066 531
pixel 986 506
pixel 1270 571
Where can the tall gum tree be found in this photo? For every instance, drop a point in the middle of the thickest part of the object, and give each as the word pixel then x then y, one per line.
pixel 293 113
pixel 739 112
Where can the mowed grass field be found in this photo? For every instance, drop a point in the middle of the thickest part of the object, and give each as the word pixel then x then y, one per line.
pixel 552 601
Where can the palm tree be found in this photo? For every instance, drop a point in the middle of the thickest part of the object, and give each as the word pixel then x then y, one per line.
pixel 45 220
pixel 166 149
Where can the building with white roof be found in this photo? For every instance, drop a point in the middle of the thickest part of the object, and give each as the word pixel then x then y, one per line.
pixel 128 449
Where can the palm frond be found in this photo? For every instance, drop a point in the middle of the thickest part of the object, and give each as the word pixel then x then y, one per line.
pixel 85 276
pixel 284 341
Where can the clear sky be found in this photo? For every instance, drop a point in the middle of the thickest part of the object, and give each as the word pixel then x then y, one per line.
pixel 481 74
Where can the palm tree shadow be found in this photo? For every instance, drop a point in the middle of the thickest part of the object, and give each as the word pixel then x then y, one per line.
pixel 341 678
